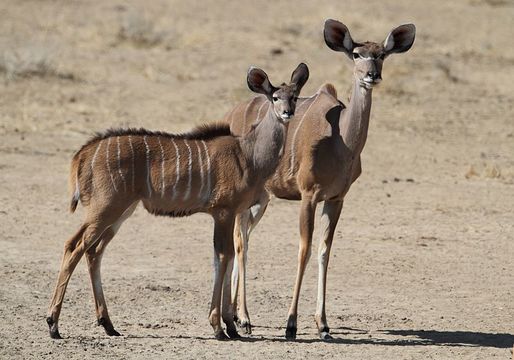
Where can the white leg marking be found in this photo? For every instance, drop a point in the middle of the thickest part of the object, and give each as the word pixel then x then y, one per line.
pixel 177 170
pixel 216 265
pixel 189 171
pixel 322 261
pixel 293 142
pixel 148 169
pixel 162 167
pixel 107 160
pixel 119 164
pixel 133 163
pixel 235 281
pixel 208 192
pixel 200 160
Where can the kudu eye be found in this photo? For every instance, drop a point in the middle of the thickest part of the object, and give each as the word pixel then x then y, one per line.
pixel 275 98
pixel 295 99
pixel 355 56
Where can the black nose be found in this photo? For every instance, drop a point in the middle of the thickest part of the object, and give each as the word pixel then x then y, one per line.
pixel 374 75
pixel 288 112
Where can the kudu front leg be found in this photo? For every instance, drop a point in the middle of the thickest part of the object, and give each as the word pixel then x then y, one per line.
pixel 239 308
pixel 329 219
pixel 223 255
pixel 308 209
pixel 245 223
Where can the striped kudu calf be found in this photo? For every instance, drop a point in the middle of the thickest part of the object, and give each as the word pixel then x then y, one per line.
pixel 207 170
pixel 320 163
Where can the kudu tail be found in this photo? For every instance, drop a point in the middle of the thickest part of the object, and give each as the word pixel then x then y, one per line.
pixel 74 183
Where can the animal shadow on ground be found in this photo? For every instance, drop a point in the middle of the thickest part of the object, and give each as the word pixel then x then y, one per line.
pixel 418 337
pixel 458 338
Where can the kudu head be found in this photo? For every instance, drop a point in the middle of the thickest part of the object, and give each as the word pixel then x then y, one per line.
pixel 368 57
pixel 284 97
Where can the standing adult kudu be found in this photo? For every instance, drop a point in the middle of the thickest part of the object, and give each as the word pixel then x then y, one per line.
pixel 207 170
pixel 321 161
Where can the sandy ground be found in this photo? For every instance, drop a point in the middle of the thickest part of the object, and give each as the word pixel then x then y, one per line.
pixel 421 269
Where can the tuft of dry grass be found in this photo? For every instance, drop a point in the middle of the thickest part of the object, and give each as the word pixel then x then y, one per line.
pixel 27 61
pixel 140 31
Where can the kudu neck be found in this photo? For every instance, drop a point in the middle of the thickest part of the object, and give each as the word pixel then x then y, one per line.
pixel 354 121
pixel 263 145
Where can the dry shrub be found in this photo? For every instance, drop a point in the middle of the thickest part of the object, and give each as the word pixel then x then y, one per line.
pixel 27 61
pixel 140 31
pixel 30 60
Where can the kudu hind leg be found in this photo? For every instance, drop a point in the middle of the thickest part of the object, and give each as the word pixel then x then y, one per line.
pixel 74 248
pixel 70 259
pixel 94 261
pixel 329 219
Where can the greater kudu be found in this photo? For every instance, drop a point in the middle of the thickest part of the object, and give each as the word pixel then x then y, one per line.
pixel 321 160
pixel 207 170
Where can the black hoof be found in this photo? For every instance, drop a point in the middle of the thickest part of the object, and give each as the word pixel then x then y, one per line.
pixel 325 336
pixel 290 333
pixel 246 327
pixel 53 329
pixel 233 334
pixel 54 334
pixel 108 327
pixel 220 335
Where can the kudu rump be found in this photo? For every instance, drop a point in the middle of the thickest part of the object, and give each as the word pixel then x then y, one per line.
pixel 321 160
pixel 206 170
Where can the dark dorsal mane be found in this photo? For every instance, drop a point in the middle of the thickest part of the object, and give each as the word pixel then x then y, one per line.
pixel 201 132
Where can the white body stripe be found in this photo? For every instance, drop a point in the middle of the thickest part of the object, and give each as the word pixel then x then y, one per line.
pixel 189 171
pixel 133 163
pixel 95 154
pixel 293 142
pixel 148 175
pixel 162 168
pixel 259 112
pixel 231 116
pixel 177 170
pixel 200 160
pixel 208 160
pixel 246 113
pixel 119 164
pixel 109 164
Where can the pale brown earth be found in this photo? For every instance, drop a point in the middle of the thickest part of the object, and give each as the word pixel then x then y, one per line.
pixel 422 264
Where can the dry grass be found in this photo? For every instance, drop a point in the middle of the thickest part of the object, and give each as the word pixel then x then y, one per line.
pixel 140 31
pixel 27 61
pixel 30 60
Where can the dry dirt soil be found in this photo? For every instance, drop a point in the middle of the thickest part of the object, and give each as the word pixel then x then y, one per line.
pixel 422 264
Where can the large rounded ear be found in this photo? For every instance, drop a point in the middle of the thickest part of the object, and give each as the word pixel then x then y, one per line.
pixel 300 77
pixel 258 82
pixel 337 36
pixel 400 39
